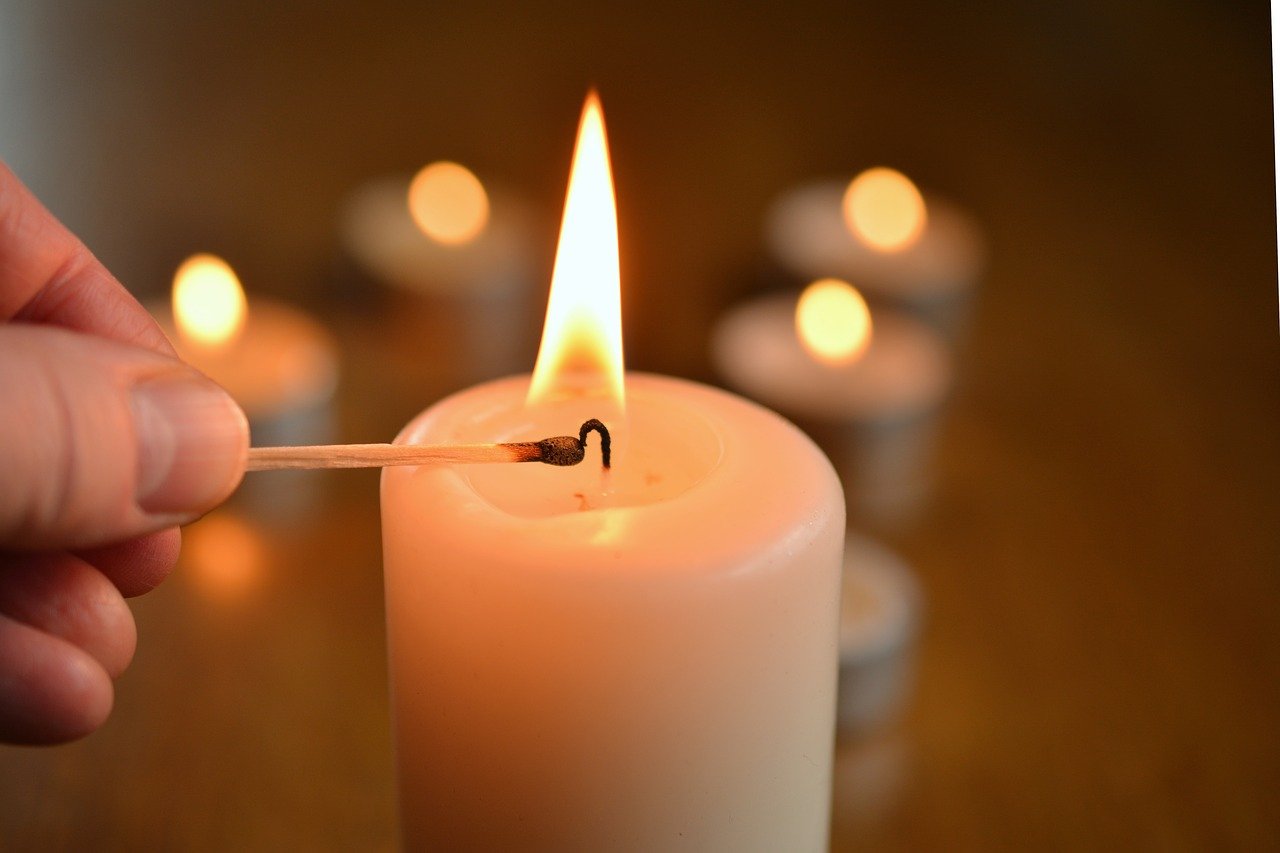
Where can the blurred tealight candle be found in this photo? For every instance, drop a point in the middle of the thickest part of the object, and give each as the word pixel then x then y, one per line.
pixel 448 203
pixel 879 619
pixel 459 255
pixel 867 387
pixel 903 248
pixel 278 362
pixel 275 360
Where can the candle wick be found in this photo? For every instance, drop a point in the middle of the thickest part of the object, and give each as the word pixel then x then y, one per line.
pixel 606 442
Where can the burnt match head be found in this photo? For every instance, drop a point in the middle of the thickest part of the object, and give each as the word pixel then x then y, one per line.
pixel 564 449
pixel 594 425
pixel 560 450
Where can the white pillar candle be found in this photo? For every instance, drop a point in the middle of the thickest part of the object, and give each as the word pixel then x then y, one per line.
pixel 874 414
pixel 932 270
pixel 640 659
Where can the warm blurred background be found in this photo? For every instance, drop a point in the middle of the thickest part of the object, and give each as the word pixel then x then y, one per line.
pixel 1100 555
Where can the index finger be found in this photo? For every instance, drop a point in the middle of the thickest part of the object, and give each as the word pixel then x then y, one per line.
pixel 48 276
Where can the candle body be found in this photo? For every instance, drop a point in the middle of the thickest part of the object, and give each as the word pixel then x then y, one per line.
pixel 654 673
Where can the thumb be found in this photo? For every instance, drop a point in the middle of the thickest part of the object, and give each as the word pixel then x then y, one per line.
pixel 100 441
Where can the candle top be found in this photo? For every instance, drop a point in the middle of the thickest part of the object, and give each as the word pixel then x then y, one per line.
pixel 685 454
pixel 658 452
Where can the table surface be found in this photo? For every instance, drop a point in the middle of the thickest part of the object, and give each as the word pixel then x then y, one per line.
pixel 1098 663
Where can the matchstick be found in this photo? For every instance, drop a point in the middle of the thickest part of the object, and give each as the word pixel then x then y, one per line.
pixel 559 450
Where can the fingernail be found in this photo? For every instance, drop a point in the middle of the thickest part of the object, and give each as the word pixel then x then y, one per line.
pixel 192 444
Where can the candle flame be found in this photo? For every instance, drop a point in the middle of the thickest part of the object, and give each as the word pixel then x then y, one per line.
pixel 883 208
pixel 209 307
pixel 448 203
pixel 833 322
pixel 582 335
pixel 224 555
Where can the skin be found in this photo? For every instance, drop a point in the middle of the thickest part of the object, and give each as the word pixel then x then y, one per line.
pixel 84 521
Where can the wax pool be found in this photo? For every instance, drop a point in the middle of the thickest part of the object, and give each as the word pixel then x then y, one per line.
pixel 642 660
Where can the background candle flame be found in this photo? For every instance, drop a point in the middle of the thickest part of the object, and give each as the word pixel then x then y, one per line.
pixel 583 330
pixel 833 322
pixel 209 306
pixel 884 209
pixel 448 203
pixel 224 555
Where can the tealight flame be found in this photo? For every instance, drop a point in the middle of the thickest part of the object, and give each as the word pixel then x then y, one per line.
pixel 583 330
pixel 448 202
pixel 833 322
pixel 884 209
pixel 208 302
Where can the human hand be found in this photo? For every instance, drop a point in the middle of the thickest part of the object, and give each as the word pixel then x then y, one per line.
pixel 107 443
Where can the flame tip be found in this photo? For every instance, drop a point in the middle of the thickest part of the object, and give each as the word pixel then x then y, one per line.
pixel 583 329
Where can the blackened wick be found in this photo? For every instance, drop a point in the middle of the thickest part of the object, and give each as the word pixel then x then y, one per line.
pixel 594 425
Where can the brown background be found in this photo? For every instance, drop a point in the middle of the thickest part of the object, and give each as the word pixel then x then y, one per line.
pixel 1099 663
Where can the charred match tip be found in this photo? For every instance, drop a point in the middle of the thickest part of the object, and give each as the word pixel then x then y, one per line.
pixel 560 450
pixel 565 449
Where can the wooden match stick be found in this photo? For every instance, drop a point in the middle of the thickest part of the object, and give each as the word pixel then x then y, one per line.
pixel 558 450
